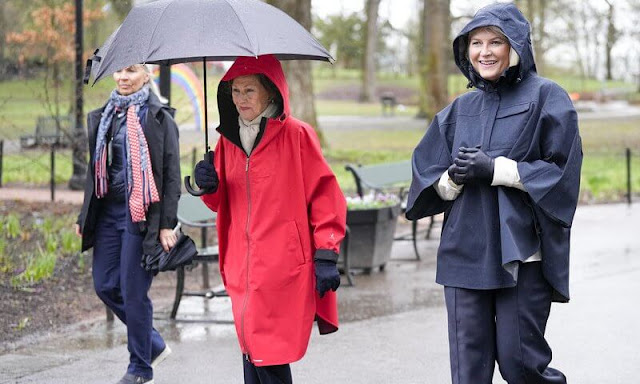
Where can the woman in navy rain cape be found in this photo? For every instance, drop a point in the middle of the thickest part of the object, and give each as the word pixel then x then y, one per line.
pixel 503 163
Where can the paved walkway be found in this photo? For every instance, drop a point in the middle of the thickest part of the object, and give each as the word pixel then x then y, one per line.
pixel 393 325
pixel 41 195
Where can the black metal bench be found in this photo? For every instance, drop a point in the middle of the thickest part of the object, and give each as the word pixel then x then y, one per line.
pixel 389 177
pixel 48 132
pixel 192 212
pixel 389 102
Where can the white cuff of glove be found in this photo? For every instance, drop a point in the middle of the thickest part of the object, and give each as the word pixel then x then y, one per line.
pixel 446 188
pixel 505 172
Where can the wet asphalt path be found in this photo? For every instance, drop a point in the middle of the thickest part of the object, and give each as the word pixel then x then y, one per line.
pixel 394 325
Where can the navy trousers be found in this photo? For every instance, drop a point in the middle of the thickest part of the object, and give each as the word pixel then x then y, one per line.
pixel 122 284
pixel 504 325
pixel 272 374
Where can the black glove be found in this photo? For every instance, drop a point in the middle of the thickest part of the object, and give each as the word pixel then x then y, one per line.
pixel 206 176
pixel 452 173
pixel 327 276
pixel 471 166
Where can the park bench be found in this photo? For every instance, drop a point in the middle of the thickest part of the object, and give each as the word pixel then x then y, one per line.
pixel 389 102
pixel 390 178
pixel 192 212
pixel 48 133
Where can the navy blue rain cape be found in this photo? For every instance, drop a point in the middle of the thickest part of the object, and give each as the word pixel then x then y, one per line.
pixel 524 117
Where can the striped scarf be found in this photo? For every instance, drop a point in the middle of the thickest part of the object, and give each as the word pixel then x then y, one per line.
pixel 141 184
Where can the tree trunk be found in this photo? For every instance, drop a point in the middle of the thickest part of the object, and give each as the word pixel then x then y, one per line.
pixel 298 73
pixel 535 12
pixel 79 137
pixel 531 14
pixel 367 92
pixel 433 56
pixel 611 38
pixel 541 36
pixel 3 32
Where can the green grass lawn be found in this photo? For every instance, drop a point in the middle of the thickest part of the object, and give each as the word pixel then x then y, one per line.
pixel 603 172
pixel 354 108
pixel 325 78
pixel 21 101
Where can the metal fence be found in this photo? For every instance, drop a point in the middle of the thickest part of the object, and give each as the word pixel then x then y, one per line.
pixel 56 163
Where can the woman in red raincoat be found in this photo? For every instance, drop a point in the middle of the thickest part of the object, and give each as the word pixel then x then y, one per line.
pixel 281 218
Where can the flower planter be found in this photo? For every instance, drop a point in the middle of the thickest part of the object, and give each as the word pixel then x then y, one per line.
pixel 371 236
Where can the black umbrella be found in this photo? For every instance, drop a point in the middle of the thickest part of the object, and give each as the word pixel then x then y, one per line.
pixel 181 255
pixel 177 31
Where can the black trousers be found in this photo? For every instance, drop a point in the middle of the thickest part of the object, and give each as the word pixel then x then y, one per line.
pixel 272 374
pixel 123 285
pixel 504 325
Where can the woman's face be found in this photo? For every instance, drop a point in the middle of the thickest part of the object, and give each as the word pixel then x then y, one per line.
pixel 130 79
pixel 249 96
pixel 488 53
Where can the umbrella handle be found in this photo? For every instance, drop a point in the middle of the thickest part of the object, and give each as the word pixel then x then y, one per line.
pixel 187 180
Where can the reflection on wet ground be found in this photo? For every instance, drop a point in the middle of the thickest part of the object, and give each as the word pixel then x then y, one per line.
pixel 405 284
pixel 409 344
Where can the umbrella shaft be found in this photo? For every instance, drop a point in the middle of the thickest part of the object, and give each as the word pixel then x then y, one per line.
pixel 206 115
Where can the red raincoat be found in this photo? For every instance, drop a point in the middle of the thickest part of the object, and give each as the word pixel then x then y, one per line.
pixel 276 209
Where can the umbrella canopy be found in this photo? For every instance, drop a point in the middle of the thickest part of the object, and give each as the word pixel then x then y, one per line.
pixel 180 255
pixel 176 31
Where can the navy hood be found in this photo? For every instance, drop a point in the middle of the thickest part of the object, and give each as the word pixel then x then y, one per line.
pixel 514 25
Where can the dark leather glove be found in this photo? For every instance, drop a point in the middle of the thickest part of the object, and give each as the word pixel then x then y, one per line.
pixel 206 176
pixel 327 276
pixel 471 165
pixel 452 172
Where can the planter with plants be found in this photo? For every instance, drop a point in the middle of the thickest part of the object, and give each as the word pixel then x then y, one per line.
pixel 372 223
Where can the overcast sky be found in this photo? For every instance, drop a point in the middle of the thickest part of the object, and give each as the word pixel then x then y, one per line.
pixel 398 12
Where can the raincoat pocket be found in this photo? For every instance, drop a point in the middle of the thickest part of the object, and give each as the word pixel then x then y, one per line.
pixel 278 263
pixel 510 122
pixel 295 243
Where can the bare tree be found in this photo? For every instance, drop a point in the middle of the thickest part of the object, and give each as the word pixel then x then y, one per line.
pixel 369 59
pixel 433 56
pixel 536 12
pixel 612 37
pixel 540 37
pixel 299 72
pixel 3 33
pixel 583 24
pixel 634 6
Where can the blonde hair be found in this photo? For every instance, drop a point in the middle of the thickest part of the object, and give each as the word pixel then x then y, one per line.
pixel 152 84
pixel 491 29
pixel 514 58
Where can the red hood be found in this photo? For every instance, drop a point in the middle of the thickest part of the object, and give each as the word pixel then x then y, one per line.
pixel 267 65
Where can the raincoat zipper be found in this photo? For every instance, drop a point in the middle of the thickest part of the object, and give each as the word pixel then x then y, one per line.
pixel 246 292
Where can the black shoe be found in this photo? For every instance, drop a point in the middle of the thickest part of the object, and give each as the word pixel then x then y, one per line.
pixel 132 379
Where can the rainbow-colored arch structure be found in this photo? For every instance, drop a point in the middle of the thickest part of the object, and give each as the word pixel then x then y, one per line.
pixel 183 76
